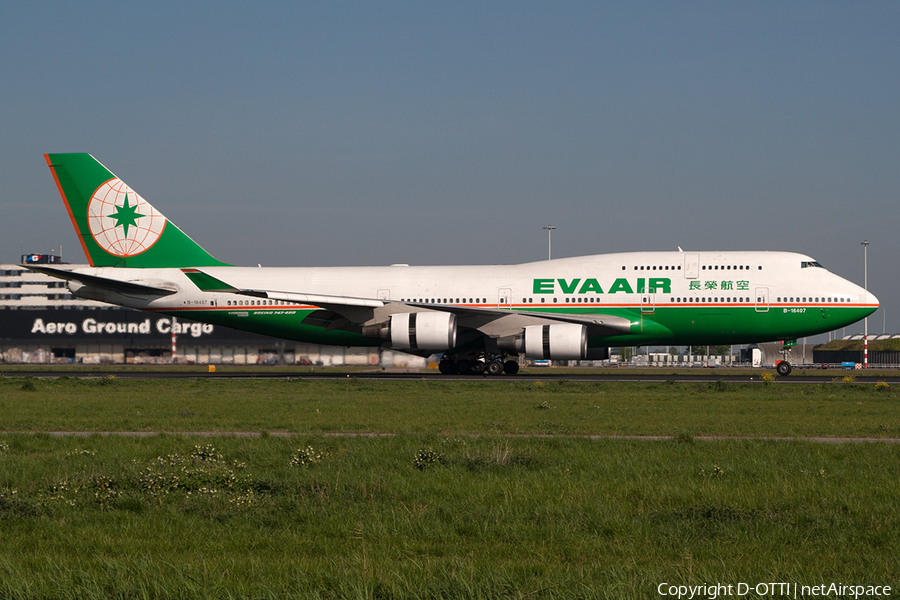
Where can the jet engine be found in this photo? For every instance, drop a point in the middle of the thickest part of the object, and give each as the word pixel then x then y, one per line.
pixel 431 330
pixel 559 341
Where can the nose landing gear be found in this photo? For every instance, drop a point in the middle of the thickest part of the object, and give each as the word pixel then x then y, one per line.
pixel 783 367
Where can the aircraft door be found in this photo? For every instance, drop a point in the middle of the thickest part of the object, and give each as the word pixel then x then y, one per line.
pixel 762 299
pixel 504 298
pixel 648 302
pixel 691 266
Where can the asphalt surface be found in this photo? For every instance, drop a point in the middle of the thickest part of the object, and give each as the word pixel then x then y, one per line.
pixel 627 375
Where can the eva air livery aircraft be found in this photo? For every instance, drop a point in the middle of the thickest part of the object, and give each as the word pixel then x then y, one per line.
pixel 477 316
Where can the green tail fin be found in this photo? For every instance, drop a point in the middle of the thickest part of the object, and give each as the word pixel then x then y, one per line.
pixel 116 227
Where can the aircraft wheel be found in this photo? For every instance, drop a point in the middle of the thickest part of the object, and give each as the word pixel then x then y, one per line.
pixel 477 367
pixel 510 367
pixel 783 368
pixel 495 367
pixel 447 367
pixel 463 367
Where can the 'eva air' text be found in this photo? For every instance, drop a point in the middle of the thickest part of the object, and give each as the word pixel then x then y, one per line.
pixel 652 285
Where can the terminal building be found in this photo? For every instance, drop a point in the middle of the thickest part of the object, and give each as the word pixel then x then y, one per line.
pixel 42 322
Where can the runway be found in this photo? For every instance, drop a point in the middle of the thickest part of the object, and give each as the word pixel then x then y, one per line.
pixel 573 375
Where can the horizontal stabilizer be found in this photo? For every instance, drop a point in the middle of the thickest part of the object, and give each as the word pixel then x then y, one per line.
pixel 104 283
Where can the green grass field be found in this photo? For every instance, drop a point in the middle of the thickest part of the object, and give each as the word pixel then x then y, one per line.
pixel 466 498
pixel 441 407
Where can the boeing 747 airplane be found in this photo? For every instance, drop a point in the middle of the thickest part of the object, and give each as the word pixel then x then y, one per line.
pixel 479 317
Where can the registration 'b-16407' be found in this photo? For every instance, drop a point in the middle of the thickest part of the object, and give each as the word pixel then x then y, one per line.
pixel 479 317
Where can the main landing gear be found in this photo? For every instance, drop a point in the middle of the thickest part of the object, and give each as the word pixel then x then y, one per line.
pixel 477 364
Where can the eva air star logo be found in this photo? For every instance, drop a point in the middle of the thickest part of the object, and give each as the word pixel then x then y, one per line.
pixel 126 216
pixel 122 222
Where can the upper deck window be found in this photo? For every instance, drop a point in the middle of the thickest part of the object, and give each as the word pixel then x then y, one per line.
pixel 810 263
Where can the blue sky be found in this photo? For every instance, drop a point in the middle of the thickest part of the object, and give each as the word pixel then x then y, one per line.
pixel 360 133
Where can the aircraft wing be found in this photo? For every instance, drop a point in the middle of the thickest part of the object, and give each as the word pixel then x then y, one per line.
pixel 104 283
pixel 500 321
pixel 354 312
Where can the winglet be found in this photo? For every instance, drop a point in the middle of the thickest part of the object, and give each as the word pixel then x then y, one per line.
pixel 208 283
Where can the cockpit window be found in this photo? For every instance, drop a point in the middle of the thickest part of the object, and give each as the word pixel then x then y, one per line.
pixel 810 263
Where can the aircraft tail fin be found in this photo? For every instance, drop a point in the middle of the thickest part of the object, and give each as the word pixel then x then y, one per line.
pixel 115 225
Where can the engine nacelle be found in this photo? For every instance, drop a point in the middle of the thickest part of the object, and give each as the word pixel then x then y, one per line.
pixel 560 341
pixel 432 330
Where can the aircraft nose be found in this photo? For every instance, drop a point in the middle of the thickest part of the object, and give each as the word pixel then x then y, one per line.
pixel 872 301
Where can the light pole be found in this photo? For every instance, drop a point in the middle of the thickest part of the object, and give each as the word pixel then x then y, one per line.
pixel 549 229
pixel 865 245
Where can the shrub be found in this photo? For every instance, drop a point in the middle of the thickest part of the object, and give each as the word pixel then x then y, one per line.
pixel 427 457
pixel 308 456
